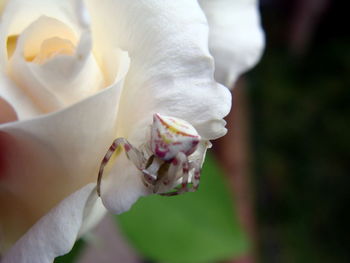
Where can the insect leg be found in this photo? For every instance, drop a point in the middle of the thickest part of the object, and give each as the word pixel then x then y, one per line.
pixel 120 144
pixel 196 176
pixel 179 169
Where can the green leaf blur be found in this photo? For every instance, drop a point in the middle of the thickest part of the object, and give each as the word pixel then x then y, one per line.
pixel 190 228
pixel 73 255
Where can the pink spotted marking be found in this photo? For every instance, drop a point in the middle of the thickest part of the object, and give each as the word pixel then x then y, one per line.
pixel 127 147
pixel 113 147
pixel 160 154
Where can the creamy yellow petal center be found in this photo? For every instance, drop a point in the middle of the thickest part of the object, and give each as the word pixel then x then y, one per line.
pixel 52 47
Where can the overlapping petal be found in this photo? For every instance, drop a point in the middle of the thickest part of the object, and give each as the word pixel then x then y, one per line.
pixel 171 70
pixel 59 81
pixel 236 37
pixel 120 190
pixel 2 5
pixel 54 235
pixel 45 159
pixel 19 14
pixel 42 19
pixel 15 96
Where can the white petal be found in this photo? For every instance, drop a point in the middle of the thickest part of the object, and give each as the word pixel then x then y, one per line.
pixel 23 105
pixel 236 38
pixel 19 14
pixel 58 81
pixel 45 159
pixel 55 233
pixel 121 188
pixel 171 70
pixel 7 113
pixel 2 5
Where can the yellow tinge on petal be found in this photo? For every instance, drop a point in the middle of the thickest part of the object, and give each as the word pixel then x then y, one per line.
pixel 11 45
pixel 48 38
pixel 2 5
pixel 52 47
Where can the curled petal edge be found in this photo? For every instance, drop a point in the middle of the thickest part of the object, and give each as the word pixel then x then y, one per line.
pixel 38 245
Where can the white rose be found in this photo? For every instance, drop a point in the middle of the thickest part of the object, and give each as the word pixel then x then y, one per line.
pixel 78 75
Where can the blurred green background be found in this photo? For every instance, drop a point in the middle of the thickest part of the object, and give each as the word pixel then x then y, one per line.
pixel 299 141
pixel 191 228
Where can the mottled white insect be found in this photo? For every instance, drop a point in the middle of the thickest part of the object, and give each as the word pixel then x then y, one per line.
pixel 167 160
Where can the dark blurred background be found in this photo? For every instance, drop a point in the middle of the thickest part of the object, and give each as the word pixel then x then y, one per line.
pixel 296 102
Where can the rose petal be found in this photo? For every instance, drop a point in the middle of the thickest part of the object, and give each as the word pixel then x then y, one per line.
pixel 22 104
pixel 45 159
pixel 2 5
pixel 236 38
pixel 58 81
pixel 19 14
pixel 55 233
pixel 7 113
pixel 171 71
pixel 16 16
pixel 122 186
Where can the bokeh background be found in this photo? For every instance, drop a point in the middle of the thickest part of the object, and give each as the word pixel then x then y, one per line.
pixel 276 188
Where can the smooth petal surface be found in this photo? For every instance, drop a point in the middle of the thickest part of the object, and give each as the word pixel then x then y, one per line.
pixel 16 16
pixel 45 159
pixel 23 105
pixel 59 81
pixel 171 70
pixel 19 14
pixel 236 38
pixel 123 186
pixel 2 5
pixel 7 113
pixel 55 233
